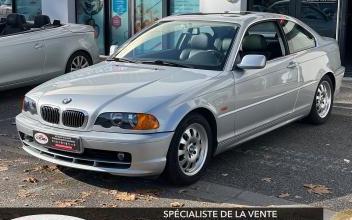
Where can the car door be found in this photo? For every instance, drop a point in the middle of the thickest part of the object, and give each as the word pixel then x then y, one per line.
pixel 265 97
pixel 21 58
pixel 303 44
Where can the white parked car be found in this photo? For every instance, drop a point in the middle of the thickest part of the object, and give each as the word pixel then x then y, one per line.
pixel 188 88
pixel 34 53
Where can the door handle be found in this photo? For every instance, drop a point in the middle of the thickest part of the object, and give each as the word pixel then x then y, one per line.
pixel 292 65
pixel 38 46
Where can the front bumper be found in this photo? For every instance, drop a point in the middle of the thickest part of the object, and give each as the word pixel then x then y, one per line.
pixel 148 151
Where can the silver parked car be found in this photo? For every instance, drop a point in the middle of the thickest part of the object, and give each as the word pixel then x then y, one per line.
pixel 182 91
pixel 32 53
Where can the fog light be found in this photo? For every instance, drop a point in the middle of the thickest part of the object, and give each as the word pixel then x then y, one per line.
pixel 121 156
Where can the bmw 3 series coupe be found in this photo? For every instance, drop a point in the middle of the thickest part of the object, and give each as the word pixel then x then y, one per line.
pixel 181 92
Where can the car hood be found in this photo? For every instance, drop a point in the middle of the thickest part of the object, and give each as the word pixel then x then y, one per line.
pixel 120 87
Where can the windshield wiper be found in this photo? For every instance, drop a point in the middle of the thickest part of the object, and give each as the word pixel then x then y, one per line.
pixel 164 63
pixel 122 60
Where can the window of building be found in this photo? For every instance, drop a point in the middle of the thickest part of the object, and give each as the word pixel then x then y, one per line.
pixel 115 21
pixel 273 6
pixel 320 15
pixel 147 12
pixel 298 38
pixel 30 9
pixel 91 12
pixel 184 6
pixel 120 21
pixel 5 8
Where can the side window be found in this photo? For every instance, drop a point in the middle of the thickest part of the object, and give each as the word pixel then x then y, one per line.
pixel 264 39
pixel 298 38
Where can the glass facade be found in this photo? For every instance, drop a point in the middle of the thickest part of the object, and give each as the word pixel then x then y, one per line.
pixel 184 6
pixel 321 15
pixel 120 20
pixel 91 12
pixel 29 8
pixel 274 6
pixel 147 12
pixel 115 21
pixel 5 8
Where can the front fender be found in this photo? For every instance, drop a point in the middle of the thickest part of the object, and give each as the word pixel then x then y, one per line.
pixel 169 120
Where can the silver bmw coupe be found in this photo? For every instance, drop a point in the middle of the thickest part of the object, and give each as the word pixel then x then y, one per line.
pixel 184 90
pixel 34 52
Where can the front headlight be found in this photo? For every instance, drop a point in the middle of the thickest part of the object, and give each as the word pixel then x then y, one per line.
pixel 129 121
pixel 29 105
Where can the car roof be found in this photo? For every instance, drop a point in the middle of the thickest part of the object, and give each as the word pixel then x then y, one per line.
pixel 241 17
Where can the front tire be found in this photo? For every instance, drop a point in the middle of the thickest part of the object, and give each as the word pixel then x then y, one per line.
pixel 190 151
pixel 323 102
pixel 77 61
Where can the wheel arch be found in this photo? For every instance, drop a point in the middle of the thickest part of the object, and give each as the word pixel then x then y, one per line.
pixel 209 116
pixel 332 78
pixel 79 51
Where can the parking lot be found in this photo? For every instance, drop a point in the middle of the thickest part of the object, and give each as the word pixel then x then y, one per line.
pixel 297 164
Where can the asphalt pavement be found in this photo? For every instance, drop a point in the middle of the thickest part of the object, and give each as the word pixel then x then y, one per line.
pixel 296 164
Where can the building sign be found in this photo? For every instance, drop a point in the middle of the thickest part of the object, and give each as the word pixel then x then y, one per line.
pixel 184 6
pixel 119 22
pixel 119 6
pixel 116 21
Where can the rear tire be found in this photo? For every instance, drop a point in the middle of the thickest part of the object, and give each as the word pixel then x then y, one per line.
pixel 77 61
pixel 190 151
pixel 323 102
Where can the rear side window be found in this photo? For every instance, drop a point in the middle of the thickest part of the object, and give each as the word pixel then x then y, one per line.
pixel 298 38
pixel 263 39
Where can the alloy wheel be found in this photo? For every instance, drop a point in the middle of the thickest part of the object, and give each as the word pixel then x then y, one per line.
pixel 193 149
pixel 323 99
pixel 79 62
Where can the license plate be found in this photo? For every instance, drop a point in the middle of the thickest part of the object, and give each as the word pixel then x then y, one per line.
pixel 58 142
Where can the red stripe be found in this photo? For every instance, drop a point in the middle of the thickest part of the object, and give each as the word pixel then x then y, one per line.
pixel 64 147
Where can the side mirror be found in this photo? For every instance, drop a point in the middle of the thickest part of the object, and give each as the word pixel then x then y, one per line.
pixel 113 49
pixel 252 62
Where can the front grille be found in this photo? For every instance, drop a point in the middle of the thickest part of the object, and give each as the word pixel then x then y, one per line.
pixel 73 119
pixel 50 114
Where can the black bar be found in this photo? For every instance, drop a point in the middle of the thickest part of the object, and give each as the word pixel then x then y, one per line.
pixel 170 213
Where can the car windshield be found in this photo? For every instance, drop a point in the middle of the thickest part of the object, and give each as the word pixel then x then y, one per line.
pixel 189 44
